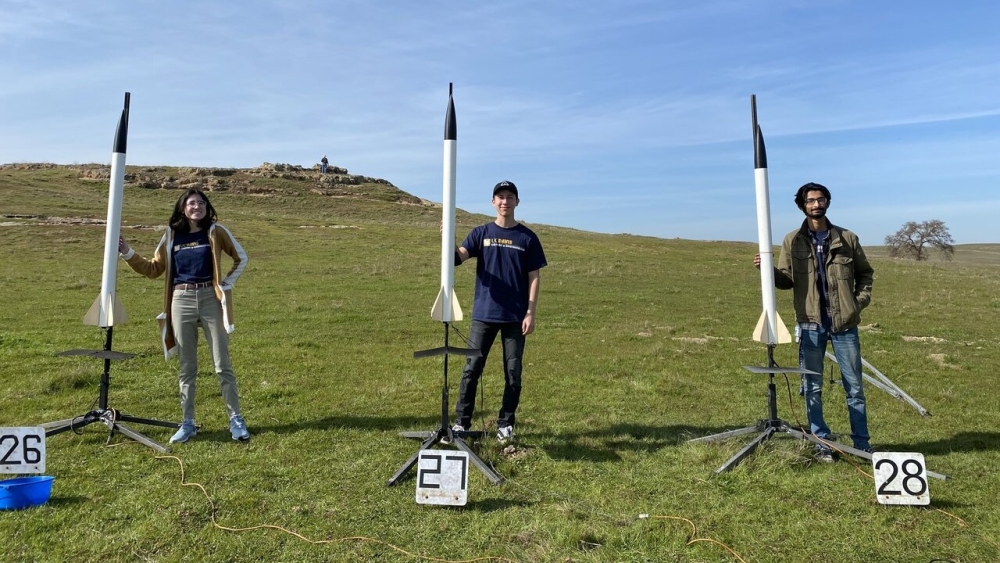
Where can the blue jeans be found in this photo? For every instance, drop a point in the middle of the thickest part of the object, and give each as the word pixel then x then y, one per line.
pixel 847 348
pixel 481 337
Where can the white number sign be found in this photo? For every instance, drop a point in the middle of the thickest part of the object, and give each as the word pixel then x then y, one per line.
pixel 901 478
pixel 443 478
pixel 22 450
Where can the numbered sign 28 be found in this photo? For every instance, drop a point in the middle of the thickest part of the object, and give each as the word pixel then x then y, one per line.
pixel 901 478
pixel 22 450
pixel 443 477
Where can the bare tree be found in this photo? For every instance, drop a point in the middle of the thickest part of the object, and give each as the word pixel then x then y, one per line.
pixel 915 240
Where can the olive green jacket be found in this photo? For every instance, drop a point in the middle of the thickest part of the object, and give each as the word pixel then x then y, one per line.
pixel 848 277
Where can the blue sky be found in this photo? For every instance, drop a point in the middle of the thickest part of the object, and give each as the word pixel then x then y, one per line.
pixel 619 117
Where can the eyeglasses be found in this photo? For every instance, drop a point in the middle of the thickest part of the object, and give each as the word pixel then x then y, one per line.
pixel 196 203
pixel 819 200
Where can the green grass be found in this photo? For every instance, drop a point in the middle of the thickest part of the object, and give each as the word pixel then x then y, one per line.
pixel 640 346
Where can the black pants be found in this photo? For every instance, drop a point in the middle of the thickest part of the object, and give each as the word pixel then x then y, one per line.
pixel 481 336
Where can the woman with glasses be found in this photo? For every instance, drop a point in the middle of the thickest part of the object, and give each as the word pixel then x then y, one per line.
pixel 196 292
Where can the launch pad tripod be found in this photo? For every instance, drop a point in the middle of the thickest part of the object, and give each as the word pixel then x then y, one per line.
pixel 110 417
pixel 771 425
pixel 444 433
pixel 766 427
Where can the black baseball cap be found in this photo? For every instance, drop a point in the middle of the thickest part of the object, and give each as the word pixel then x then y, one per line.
pixel 505 185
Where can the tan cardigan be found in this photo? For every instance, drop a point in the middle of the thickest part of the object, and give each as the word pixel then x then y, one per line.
pixel 221 241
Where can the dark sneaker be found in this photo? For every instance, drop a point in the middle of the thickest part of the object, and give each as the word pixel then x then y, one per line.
pixel 824 454
pixel 187 431
pixel 454 430
pixel 505 434
pixel 238 428
pixel 867 449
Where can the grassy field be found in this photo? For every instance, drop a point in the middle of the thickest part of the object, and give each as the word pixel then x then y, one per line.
pixel 640 346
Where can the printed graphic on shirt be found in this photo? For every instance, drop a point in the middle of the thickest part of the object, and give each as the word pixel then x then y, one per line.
pixel 189 245
pixel 502 243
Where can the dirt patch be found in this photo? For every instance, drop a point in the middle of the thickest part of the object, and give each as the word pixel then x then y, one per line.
pixel 513 453
pixel 35 220
pixel 941 361
pixel 933 339
pixel 694 339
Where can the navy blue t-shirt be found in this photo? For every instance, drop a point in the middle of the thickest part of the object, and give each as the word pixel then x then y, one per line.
pixel 503 259
pixel 192 257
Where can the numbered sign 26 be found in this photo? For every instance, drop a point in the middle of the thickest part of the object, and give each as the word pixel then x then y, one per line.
pixel 901 478
pixel 443 477
pixel 22 450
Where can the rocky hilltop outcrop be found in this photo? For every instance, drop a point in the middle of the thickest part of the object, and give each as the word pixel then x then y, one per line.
pixel 266 179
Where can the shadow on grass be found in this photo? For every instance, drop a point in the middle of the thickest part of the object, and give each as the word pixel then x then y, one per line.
pixel 399 423
pixel 67 500
pixel 947 504
pixel 494 504
pixel 605 444
pixel 959 443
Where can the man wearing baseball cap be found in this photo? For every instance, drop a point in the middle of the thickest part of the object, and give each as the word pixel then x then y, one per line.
pixel 508 259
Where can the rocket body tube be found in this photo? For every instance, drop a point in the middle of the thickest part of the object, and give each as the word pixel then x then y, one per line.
pixel 446 307
pixel 770 328
pixel 107 311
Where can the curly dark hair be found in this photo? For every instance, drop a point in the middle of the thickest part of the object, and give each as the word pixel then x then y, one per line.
pixel 800 196
pixel 179 223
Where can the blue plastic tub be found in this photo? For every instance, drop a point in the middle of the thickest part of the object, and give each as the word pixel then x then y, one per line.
pixel 24 492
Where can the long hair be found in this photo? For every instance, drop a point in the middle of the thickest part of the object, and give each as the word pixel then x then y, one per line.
pixel 800 196
pixel 179 223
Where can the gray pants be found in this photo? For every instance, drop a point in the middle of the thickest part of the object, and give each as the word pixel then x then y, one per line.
pixel 190 306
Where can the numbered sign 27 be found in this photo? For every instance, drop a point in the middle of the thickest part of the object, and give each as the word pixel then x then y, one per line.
pixel 443 477
pixel 22 450
pixel 901 478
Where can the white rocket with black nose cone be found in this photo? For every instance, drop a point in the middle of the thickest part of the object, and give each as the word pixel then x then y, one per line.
pixel 446 308
pixel 770 328
pixel 107 311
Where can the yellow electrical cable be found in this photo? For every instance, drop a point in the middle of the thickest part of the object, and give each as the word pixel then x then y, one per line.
pixel 211 503
pixel 694 533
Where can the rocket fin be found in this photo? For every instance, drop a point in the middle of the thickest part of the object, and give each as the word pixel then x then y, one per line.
pixel 456 309
pixel 783 336
pixel 437 311
pixel 760 332
pixel 117 314
pixel 93 316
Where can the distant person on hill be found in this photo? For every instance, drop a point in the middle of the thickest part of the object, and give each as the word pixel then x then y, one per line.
pixel 323 163
pixel 196 291
pixel 831 282
pixel 508 259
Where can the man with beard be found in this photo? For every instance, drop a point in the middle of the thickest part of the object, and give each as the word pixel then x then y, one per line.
pixel 831 282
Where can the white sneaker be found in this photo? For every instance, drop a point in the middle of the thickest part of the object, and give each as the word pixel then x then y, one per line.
pixel 505 434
